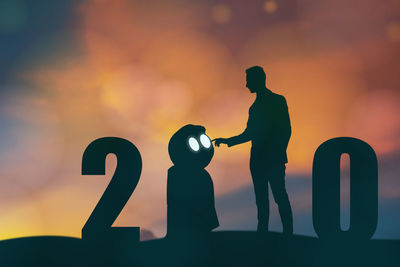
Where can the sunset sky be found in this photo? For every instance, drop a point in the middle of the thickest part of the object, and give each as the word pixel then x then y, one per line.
pixel 74 71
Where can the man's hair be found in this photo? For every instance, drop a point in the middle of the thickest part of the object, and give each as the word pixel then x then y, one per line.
pixel 257 72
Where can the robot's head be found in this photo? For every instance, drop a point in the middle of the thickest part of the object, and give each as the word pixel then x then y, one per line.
pixel 191 147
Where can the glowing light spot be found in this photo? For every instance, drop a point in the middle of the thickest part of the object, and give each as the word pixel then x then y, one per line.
pixel 221 13
pixel 193 144
pixel 111 98
pixel 270 6
pixel 205 141
pixel 393 31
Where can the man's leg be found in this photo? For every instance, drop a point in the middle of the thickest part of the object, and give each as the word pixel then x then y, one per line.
pixel 276 177
pixel 260 183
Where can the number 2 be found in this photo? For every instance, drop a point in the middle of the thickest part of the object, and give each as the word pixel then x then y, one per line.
pixel 118 191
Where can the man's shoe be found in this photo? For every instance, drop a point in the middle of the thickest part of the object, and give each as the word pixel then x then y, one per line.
pixel 262 228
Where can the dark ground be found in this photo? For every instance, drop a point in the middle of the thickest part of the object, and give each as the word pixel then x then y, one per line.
pixel 223 249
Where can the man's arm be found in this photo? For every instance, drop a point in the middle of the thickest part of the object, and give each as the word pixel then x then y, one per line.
pixel 234 140
pixel 239 139
pixel 286 127
pixel 244 137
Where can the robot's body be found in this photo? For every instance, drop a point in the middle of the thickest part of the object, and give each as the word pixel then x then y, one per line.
pixel 190 190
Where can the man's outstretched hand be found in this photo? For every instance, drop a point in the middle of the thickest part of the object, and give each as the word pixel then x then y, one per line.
pixel 219 141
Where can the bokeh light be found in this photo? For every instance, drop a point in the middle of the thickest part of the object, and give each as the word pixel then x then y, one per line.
pixel 270 6
pixel 393 31
pixel 221 13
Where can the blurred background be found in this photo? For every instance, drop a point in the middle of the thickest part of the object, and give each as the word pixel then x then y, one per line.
pixel 73 71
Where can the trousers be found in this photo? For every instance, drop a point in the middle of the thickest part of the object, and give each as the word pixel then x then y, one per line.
pixel 264 172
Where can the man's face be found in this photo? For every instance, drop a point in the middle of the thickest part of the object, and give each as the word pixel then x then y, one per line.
pixel 250 83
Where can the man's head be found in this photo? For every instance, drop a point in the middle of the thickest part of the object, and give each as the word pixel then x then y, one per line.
pixel 255 79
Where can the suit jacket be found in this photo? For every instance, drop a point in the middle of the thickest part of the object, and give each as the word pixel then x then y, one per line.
pixel 268 128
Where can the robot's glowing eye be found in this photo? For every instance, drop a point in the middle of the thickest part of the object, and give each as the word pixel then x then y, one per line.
pixel 205 141
pixel 194 145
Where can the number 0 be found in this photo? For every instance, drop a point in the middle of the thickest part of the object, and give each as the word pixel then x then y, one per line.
pixel 363 189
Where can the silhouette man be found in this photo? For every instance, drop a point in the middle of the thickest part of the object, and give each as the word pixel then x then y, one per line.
pixel 269 130
pixel 190 190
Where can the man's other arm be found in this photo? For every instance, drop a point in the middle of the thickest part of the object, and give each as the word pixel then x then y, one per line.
pixel 286 130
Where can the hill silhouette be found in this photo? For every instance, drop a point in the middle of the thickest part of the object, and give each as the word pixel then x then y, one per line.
pixel 230 248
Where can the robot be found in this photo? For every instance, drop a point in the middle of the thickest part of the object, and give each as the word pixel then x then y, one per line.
pixel 190 190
